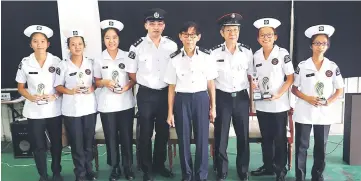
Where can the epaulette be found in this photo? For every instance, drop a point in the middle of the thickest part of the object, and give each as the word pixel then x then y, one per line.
pixel 245 46
pixel 217 46
pixel 204 50
pixel 25 59
pixel 175 53
pixel 169 38
pixel 138 42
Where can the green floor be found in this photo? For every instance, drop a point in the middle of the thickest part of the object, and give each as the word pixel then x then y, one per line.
pixel 336 170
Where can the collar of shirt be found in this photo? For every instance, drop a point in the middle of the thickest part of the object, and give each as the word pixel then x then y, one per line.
pixel 185 54
pixel 225 48
pixel 311 66
pixel 274 53
pixel 162 39
pixel 83 64
pixel 34 63
pixel 120 54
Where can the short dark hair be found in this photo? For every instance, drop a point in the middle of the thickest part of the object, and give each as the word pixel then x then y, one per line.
pixel 316 35
pixel 31 36
pixel 68 41
pixel 107 29
pixel 190 24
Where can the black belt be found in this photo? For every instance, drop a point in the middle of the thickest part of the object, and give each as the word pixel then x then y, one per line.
pixel 234 94
pixel 145 87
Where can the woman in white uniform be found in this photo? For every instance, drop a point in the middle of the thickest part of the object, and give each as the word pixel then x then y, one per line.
pixel 42 106
pixel 116 101
pixel 272 63
pixel 74 79
pixel 318 84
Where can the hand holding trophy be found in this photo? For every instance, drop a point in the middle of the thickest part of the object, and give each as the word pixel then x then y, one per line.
pixel 80 83
pixel 257 95
pixel 40 92
pixel 319 87
pixel 115 77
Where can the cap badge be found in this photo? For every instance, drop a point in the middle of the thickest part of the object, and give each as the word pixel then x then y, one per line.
pixel 266 22
pixel 111 23
pixel 233 15
pixel 39 28
pixel 156 15
pixel 321 28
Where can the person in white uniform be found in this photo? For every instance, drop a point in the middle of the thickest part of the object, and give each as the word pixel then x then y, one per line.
pixel 272 64
pixel 74 79
pixel 190 75
pixel 42 104
pixel 234 65
pixel 115 101
pixel 318 84
pixel 146 63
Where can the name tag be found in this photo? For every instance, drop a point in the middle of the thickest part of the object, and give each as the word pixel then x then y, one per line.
pixel 310 75
pixel 258 65
pixel 72 74
pixel 105 67
pixel 221 60
pixel 33 72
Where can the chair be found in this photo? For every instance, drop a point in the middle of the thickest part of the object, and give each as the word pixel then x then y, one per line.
pixel 254 137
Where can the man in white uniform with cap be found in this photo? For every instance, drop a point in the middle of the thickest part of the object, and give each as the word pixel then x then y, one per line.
pixel 272 64
pixel 318 84
pixel 42 105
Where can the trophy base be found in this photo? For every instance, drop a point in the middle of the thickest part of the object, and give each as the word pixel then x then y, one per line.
pixel 42 102
pixel 257 96
pixel 117 89
pixel 267 96
pixel 322 101
pixel 83 89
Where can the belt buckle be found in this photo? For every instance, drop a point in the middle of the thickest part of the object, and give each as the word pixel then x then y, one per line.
pixel 234 94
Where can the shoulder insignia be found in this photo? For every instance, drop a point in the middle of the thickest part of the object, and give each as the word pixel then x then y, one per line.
pixel 245 46
pixel 338 72
pixel 20 65
pixel 175 53
pixel 287 58
pixel 204 50
pixel 217 46
pixel 138 42
pixel 169 38
pixel 297 70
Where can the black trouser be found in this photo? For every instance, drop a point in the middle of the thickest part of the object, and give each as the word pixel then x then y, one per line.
pixel 273 127
pixel 118 129
pixel 192 109
pixel 39 143
pixel 237 109
pixel 153 108
pixel 81 131
pixel 302 143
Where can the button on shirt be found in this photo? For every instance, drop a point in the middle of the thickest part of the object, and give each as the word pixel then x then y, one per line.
pixel 190 74
pixel 30 72
pixel 108 101
pixel 70 76
pixel 150 62
pixel 233 68
pixel 306 77
pixel 274 68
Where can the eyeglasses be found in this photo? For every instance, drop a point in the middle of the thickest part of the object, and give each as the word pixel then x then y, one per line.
pixel 317 43
pixel 268 35
pixel 186 35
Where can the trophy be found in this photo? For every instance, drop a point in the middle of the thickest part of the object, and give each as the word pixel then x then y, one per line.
pixel 257 95
pixel 80 81
pixel 40 92
pixel 115 78
pixel 266 87
pixel 319 86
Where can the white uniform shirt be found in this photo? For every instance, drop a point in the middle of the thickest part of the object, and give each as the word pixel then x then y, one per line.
pixel 67 75
pixel 150 62
pixel 190 74
pixel 233 68
pixel 276 67
pixel 108 101
pixel 306 76
pixel 30 72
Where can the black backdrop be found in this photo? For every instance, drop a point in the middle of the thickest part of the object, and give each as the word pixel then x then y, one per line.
pixel 345 43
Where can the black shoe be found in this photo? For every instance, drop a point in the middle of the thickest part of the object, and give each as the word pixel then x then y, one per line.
pixel 44 178
pixel 115 174
pixel 164 172
pixel 280 178
pixel 243 176
pixel 91 175
pixel 222 177
pixel 80 179
pixel 319 178
pixel 261 171
pixel 147 177
pixel 129 175
pixel 57 177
